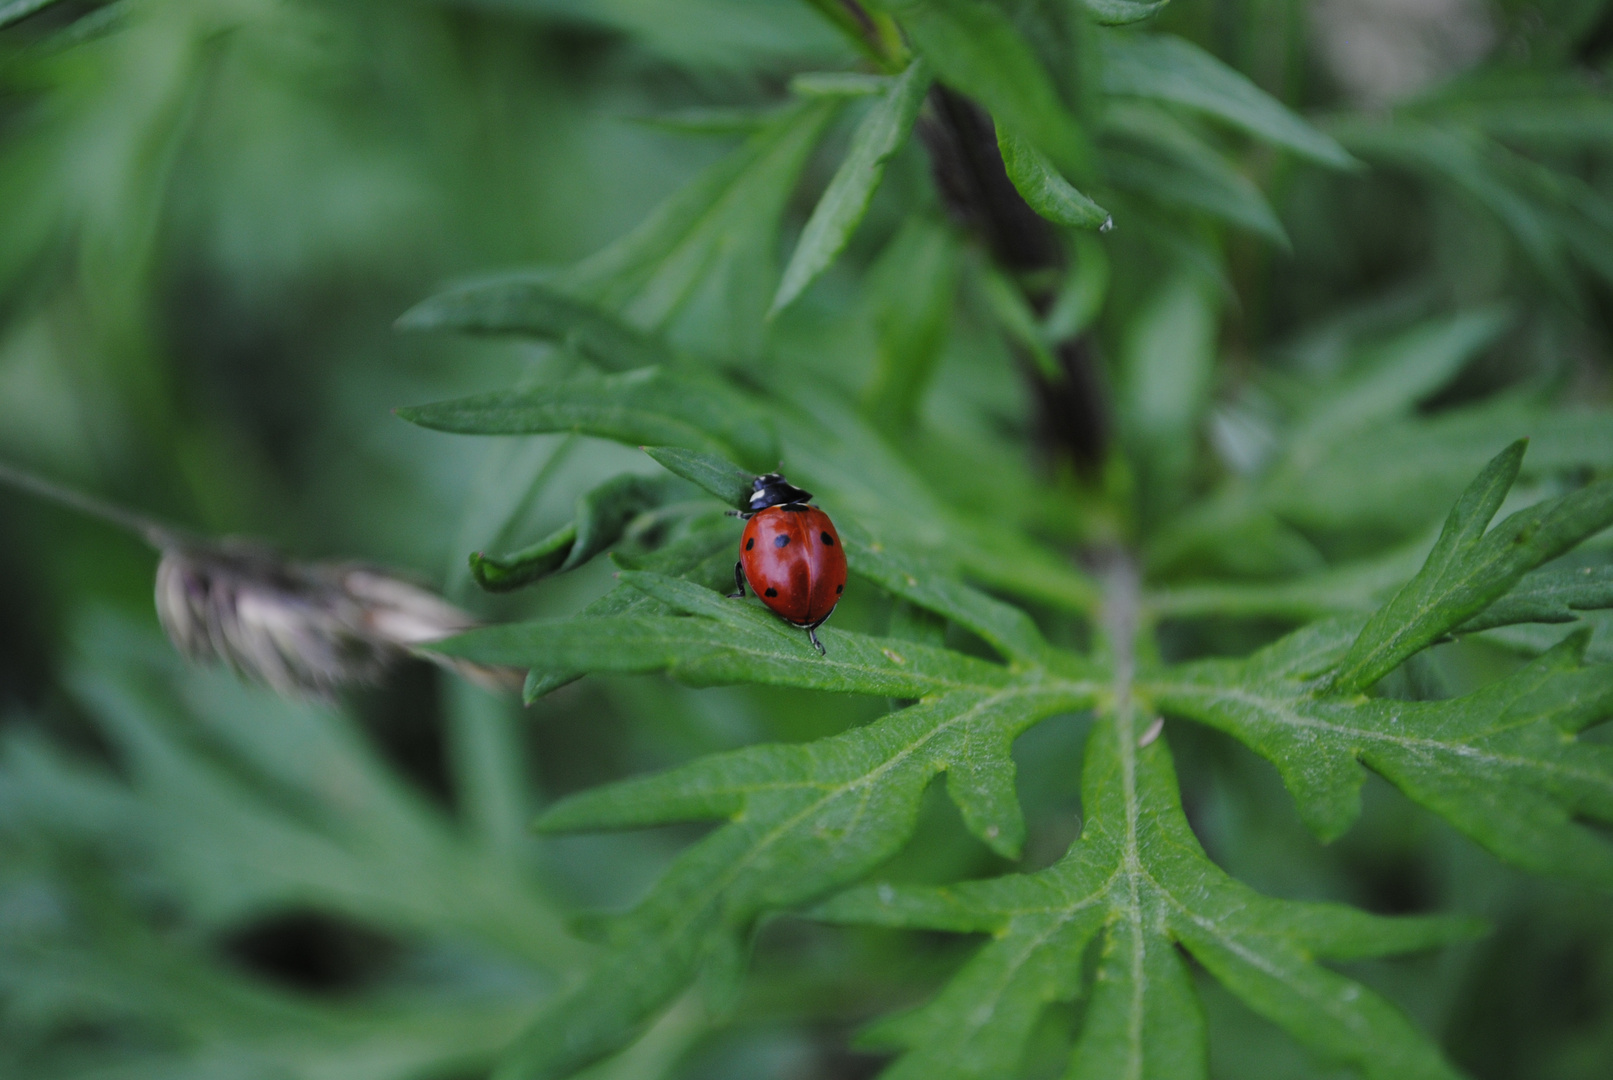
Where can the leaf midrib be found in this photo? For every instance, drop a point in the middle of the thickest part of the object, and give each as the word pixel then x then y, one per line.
pixel 1284 713
pixel 717 884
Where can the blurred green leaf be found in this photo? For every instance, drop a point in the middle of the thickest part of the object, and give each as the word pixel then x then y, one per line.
pixel 1018 321
pixel 910 292
pixel 1362 481
pixel 1166 68
pixel 1534 107
pixel 18 10
pixel 1081 297
pixel 717 232
pixel 1123 12
pixel 714 120
pixel 841 84
pixel 1355 586
pixel 647 406
pixel 501 573
pixel 1165 378
pixel 837 215
pixel 977 51
pixel 251 805
pixel 1475 167
pixel 1396 375
pixel 533 308
pixel 1153 153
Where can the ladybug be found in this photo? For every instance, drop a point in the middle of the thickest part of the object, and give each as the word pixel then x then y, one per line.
pixel 791 555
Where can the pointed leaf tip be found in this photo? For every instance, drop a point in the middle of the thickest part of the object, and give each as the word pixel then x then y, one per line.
pixel 1469 568
pixel 712 473
pixel 836 217
pixel 1044 189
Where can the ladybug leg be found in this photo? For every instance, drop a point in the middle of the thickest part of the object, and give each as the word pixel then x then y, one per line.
pixel 812 636
pixel 739 582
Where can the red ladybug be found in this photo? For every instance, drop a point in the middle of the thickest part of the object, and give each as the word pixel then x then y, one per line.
pixel 791 555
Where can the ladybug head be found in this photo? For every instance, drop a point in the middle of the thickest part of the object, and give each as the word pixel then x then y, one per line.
pixel 771 489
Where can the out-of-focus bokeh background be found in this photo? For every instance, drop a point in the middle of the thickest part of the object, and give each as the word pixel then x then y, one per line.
pixel 214 210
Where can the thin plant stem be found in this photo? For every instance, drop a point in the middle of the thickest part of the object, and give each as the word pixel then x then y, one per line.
pixel 156 533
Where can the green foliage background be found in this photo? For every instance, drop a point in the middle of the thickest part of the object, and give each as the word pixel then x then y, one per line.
pixel 1317 318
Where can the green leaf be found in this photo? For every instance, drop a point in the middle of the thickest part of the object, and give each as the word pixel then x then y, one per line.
pixel 1468 568
pixel 840 84
pixel 717 475
pixel 1165 375
pixel 1393 377
pixel 837 215
pixel 602 516
pixel 1353 587
pixel 648 406
pixel 1477 168
pixel 536 309
pixel 714 238
pixel 1548 110
pixel 1081 297
pixel 18 10
pixel 1163 67
pixel 718 641
pixel 502 573
pixel 1123 12
pixel 1005 628
pixel 709 120
pixel 704 555
pixel 1017 319
pixel 1502 764
pixel 1360 483
pixel 1548 596
pixel 1151 152
pixel 252 803
pixel 799 821
pixel 1043 189
pixel 977 51
pixel 910 292
pixel 510 477
pixel 1138 880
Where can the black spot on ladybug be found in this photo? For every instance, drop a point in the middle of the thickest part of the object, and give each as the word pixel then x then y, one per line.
pixel 772 592
pixel 827 539
pixel 839 589
pixel 750 543
pixel 780 540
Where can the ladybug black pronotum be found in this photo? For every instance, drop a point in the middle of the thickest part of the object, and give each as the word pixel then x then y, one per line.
pixel 791 555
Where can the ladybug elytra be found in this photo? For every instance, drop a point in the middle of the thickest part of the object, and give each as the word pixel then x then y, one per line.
pixel 791 555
